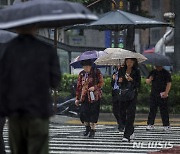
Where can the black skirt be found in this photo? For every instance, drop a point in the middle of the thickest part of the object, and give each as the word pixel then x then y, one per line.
pixel 89 112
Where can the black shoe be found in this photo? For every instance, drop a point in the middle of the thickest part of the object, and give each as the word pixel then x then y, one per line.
pixel 92 133
pixel 86 132
pixel 121 128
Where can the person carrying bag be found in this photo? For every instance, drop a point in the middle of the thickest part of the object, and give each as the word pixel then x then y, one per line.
pixel 88 96
pixel 129 82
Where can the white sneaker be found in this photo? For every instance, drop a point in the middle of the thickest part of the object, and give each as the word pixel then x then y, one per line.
pixel 166 128
pixel 150 127
pixel 132 137
pixel 125 139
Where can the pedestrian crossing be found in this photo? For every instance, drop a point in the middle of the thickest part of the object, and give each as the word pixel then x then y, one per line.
pixel 68 139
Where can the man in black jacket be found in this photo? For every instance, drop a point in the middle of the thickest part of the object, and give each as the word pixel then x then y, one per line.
pixel 29 69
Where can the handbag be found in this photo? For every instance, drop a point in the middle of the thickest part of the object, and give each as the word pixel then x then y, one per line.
pixel 127 93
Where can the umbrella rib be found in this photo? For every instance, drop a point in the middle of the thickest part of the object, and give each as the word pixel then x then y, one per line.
pixel 126 17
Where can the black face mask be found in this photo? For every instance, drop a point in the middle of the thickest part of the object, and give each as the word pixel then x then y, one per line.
pixel 86 63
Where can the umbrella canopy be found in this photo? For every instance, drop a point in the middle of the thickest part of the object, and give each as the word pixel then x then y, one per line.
pixel 93 55
pixel 44 13
pixel 118 20
pixel 157 59
pixel 117 56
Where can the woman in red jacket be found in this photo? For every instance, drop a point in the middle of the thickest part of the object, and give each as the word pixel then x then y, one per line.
pixel 88 94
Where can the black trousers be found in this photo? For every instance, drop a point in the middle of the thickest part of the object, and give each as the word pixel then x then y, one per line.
pixel 28 135
pixel 89 112
pixel 2 146
pixel 119 114
pixel 129 108
pixel 156 102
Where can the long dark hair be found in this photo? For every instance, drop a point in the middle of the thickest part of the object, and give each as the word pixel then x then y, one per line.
pixel 135 66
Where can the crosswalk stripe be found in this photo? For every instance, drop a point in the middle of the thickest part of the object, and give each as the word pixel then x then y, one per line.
pixel 68 139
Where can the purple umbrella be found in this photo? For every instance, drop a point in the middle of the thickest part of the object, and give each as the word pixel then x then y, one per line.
pixel 93 55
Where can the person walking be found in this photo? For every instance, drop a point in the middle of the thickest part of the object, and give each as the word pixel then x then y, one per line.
pixel 160 81
pixel 88 95
pixel 129 82
pixel 116 102
pixel 29 70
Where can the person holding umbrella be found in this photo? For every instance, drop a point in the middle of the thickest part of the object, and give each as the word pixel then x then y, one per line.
pixel 29 69
pixel 115 100
pixel 129 82
pixel 160 81
pixel 88 95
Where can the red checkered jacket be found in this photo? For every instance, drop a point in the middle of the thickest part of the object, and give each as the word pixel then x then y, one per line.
pixel 87 80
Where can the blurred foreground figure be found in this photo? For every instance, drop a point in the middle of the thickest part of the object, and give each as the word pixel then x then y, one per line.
pixel 5 37
pixel 2 147
pixel 30 68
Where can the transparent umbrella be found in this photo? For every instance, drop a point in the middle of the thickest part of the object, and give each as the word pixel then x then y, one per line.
pixel 117 56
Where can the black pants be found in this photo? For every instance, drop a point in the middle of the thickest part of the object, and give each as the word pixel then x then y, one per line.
pixel 129 108
pixel 119 114
pixel 2 147
pixel 156 102
pixel 89 112
pixel 28 135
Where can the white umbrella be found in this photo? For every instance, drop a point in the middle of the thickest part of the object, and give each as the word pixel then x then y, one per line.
pixel 117 56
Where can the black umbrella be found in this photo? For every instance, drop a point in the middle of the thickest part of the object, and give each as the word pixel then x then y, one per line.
pixel 157 59
pixel 44 13
pixel 118 20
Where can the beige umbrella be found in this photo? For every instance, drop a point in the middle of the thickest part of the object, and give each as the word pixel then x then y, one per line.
pixel 117 56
